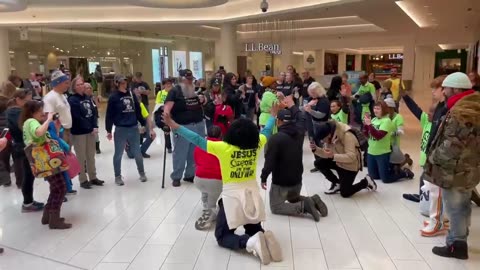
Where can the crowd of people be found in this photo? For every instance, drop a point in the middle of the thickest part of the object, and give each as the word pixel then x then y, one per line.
pixel 219 130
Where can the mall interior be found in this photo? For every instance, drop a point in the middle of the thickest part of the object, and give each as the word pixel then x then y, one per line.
pixel 144 226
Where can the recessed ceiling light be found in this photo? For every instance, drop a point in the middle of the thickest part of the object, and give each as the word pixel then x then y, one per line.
pixel 426 6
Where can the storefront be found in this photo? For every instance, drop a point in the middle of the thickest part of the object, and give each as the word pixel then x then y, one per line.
pixel 382 64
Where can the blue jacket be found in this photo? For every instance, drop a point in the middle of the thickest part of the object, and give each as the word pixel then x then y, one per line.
pixel 84 119
pixel 123 110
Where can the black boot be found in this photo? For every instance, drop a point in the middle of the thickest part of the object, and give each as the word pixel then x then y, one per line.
pixel 309 208
pixel 98 147
pixel 458 250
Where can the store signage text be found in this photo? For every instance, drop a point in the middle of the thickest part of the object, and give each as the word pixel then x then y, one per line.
pixel 263 47
pixel 395 56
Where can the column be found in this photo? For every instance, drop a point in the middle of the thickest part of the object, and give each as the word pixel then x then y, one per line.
pixel 51 61
pixel 358 62
pixel 227 48
pixel 286 58
pixel 408 65
pixel 342 62
pixel 4 54
pixel 20 63
pixel 319 63
pixel 423 75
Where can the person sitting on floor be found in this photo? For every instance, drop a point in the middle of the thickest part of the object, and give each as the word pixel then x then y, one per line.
pixel 283 158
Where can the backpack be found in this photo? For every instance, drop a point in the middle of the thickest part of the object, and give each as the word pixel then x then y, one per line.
pixel 157 117
pixel 362 139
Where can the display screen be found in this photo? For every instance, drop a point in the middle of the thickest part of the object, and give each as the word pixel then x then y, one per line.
pixel 179 61
pixel 196 64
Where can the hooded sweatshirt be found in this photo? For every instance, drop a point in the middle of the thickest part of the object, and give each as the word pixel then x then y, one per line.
pixel 123 110
pixel 284 157
pixel 84 118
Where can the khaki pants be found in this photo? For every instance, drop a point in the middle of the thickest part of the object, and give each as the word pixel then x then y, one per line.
pixel 84 146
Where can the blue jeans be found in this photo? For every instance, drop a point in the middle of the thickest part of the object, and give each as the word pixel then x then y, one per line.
pixel 459 209
pixel 120 138
pixel 379 167
pixel 183 153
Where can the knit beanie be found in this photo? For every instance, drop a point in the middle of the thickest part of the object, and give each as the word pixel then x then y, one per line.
pixel 57 78
pixel 323 130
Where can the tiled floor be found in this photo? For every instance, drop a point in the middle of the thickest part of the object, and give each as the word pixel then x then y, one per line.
pixel 141 226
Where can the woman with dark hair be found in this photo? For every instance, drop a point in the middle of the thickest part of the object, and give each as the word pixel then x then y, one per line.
pixel 475 79
pixel 23 173
pixel 333 92
pixel 240 203
pixel 234 96
pixel 35 131
pixel 250 101
pixel 379 130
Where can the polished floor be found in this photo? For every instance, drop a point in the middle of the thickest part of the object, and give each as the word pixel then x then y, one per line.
pixel 142 226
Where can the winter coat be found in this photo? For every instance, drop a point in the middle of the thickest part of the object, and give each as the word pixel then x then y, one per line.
pixel 284 157
pixel 454 158
pixel 345 147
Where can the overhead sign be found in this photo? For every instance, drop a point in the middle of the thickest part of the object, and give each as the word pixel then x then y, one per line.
pixel 263 47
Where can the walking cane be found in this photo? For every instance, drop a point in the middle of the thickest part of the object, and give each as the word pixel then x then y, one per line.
pixel 164 163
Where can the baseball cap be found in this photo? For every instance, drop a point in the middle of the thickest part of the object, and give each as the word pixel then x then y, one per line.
pixel 458 80
pixel 119 78
pixel 285 115
pixel 186 73
pixel 216 81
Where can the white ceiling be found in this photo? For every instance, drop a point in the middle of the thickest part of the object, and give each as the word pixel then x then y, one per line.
pixel 308 23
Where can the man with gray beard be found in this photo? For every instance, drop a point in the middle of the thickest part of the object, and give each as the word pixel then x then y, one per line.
pixel 185 107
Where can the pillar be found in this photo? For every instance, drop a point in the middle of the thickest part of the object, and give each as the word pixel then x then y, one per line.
pixel 286 58
pixel 226 51
pixel 358 62
pixel 408 65
pixel 4 54
pixel 342 62
pixel 319 63
pixel 22 68
pixel 423 75
pixel 51 61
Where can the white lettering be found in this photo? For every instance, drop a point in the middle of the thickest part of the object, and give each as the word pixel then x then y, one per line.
pixel 263 47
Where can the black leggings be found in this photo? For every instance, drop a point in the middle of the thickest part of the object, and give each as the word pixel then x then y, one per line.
pixel 226 237
pixel 347 188
pixel 24 172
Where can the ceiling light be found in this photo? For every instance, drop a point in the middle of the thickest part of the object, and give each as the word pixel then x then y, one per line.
pixel 108 53
pixel 210 27
pixel 61 50
pixel 297 53
pixel 28 52
pixel 426 6
pixel 83 47
pixel 410 9
pixel 315 28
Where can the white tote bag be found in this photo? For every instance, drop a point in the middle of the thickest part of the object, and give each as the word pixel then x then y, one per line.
pixel 430 201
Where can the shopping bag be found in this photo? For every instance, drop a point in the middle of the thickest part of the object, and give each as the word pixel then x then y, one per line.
pixel 430 200
pixel 74 166
pixel 47 159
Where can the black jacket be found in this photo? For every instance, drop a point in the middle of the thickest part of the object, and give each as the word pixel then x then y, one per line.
pixel 306 84
pixel 234 99
pixel 13 117
pixel 284 157
pixel 438 116
pixel 84 117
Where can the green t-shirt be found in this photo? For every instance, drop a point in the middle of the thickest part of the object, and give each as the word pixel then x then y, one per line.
pixel 236 165
pixel 397 122
pixel 161 96
pixel 382 146
pixel 363 89
pixel 426 127
pixel 29 128
pixel 340 116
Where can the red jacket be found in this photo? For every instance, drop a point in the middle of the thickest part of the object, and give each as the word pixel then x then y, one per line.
pixel 207 165
pixel 223 117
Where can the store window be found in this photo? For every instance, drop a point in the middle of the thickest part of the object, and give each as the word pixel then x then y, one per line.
pixel 196 64
pixel 331 64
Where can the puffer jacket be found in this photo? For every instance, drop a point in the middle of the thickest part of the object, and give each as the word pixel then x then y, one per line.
pixel 346 149
pixel 454 159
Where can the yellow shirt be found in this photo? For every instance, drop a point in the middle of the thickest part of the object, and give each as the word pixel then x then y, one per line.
pixel 144 111
pixel 237 165
pixel 396 84
pixel 161 96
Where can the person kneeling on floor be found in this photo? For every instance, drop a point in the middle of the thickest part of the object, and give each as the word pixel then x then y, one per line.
pixel 341 152
pixel 283 158
pixel 240 203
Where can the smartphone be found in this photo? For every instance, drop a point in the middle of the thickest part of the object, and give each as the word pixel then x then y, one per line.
pixel 4 132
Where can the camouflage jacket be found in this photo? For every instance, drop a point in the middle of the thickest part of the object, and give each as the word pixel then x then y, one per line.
pixel 454 157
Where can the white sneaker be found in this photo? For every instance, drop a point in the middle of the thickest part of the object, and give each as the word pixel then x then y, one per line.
pixel 372 186
pixel 257 245
pixel 333 190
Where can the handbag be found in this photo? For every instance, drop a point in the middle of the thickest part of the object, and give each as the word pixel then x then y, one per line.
pixel 74 166
pixel 47 159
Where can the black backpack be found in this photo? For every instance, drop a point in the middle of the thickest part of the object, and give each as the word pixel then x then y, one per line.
pixel 362 139
pixel 157 115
